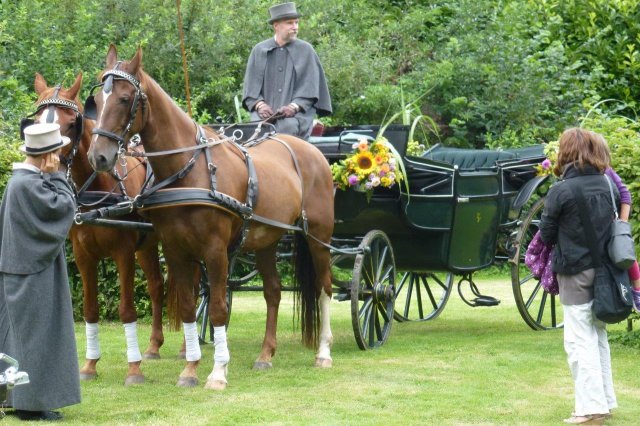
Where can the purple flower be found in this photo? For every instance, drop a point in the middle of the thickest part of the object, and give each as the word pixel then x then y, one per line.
pixel 546 164
pixel 353 179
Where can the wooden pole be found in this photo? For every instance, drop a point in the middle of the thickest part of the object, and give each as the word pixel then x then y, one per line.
pixel 184 59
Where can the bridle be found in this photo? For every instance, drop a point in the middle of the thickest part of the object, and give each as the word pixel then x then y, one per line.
pixel 51 104
pixel 90 108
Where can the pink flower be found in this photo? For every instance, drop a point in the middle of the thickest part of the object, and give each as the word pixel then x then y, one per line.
pixel 353 180
pixel 546 164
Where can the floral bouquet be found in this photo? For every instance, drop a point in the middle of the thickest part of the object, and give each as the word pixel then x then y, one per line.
pixel 546 167
pixel 372 164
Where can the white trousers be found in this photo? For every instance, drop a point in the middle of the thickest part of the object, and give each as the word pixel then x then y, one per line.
pixel 587 347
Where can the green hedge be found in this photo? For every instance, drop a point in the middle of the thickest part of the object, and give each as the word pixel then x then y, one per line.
pixel 491 73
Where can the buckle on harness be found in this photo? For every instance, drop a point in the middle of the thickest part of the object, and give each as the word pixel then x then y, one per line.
pixel 187 168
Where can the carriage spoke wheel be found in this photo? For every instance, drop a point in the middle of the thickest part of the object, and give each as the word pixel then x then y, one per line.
pixel 373 291
pixel 422 296
pixel 243 269
pixel 205 327
pixel 539 309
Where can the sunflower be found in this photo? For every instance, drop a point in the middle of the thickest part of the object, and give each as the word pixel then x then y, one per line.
pixel 365 162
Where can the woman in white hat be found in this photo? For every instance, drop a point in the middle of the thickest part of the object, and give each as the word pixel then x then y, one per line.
pixel 36 317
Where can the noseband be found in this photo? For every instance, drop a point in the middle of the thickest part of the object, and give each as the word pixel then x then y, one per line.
pixel 107 86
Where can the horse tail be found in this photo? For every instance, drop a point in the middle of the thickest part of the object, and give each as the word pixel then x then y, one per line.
pixel 173 305
pixel 306 301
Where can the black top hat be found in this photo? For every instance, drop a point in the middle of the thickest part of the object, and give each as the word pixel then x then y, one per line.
pixel 283 11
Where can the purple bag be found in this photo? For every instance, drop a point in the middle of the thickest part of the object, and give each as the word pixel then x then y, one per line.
pixel 539 258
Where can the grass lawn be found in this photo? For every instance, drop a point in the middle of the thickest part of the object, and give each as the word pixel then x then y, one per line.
pixel 471 366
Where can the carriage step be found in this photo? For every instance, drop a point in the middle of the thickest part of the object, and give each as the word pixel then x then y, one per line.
pixel 485 301
pixel 341 297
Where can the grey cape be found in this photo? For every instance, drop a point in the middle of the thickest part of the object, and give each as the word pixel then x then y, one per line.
pixel 36 316
pixel 304 80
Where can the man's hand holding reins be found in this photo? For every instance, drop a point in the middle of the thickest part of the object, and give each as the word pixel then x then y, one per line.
pixel 289 110
pixel 264 110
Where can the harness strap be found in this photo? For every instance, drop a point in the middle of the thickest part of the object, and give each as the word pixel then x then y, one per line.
pixel 111 135
pixel 305 224
pixel 207 144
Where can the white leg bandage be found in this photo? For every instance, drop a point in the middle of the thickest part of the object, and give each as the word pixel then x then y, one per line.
pixel 326 338
pixel 93 343
pixel 131 335
pixel 221 355
pixel 221 351
pixel 191 341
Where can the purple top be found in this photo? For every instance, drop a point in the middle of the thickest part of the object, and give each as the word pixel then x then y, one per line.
pixel 625 195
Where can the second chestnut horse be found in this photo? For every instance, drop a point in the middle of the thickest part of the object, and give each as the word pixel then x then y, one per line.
pixel 93 243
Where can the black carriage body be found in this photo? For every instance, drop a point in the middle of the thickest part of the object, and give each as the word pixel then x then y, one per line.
pixel 458 203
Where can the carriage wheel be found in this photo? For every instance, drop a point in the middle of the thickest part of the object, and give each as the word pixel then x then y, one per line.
pixel 539 309
pixel 423 295
pixel 373 291
pixel 340 276
pixel 202 312
pixel 244 269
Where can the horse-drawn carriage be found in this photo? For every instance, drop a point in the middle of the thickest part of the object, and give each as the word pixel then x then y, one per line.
pixel 398 253
pixel 458 211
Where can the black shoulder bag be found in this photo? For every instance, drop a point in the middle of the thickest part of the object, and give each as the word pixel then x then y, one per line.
pixel 612 299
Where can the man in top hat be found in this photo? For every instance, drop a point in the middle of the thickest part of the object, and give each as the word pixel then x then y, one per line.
pixel 284 76
pixel 36 317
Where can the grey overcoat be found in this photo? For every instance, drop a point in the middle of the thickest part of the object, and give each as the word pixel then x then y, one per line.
pixel 36 317
pixel 280 75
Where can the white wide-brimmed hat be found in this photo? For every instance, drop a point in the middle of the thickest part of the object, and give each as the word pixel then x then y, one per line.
pixel 41 138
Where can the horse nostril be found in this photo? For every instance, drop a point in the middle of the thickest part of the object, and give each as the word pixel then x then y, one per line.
pixel 101 160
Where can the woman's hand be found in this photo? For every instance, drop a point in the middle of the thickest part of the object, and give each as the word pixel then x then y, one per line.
pixel 50 162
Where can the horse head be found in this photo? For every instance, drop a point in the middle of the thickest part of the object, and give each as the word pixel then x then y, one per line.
pixel 114 106
pixel 59 105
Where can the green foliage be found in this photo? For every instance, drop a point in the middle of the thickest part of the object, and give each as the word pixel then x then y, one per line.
pixel 622 135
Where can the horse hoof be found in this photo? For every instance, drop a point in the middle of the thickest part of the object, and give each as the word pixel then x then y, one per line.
pixel 151 355
pixel 324 362
pixel 216 385
pixel 262 365
pixel 187 382
pixel 136 379
pixel 87 377
pixel 182 355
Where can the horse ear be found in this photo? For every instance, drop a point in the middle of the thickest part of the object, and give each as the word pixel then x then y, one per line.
pixel 39 84
pixel 112 56
pixel 75 88
pixel 136 62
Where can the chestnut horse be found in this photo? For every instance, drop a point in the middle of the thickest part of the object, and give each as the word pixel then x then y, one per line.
pixel 93 243
pixel 292 180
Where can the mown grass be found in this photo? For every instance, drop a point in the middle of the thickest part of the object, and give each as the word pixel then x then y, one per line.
pixel 471 366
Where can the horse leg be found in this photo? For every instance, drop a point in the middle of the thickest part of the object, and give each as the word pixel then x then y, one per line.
pixel 182 306
pixel 150 264
pixel 217 268
pixel 88 268
pixel 266 265
pixel 321 264
pixel 182 354
pixel 125 262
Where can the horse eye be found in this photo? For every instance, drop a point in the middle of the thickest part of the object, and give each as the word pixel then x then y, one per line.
pixel 124 101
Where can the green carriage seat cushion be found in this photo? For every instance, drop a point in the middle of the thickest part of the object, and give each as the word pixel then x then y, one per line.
pixel 469 159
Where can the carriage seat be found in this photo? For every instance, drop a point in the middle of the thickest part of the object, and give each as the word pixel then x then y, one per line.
pixel 337 144
pixel 469 159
